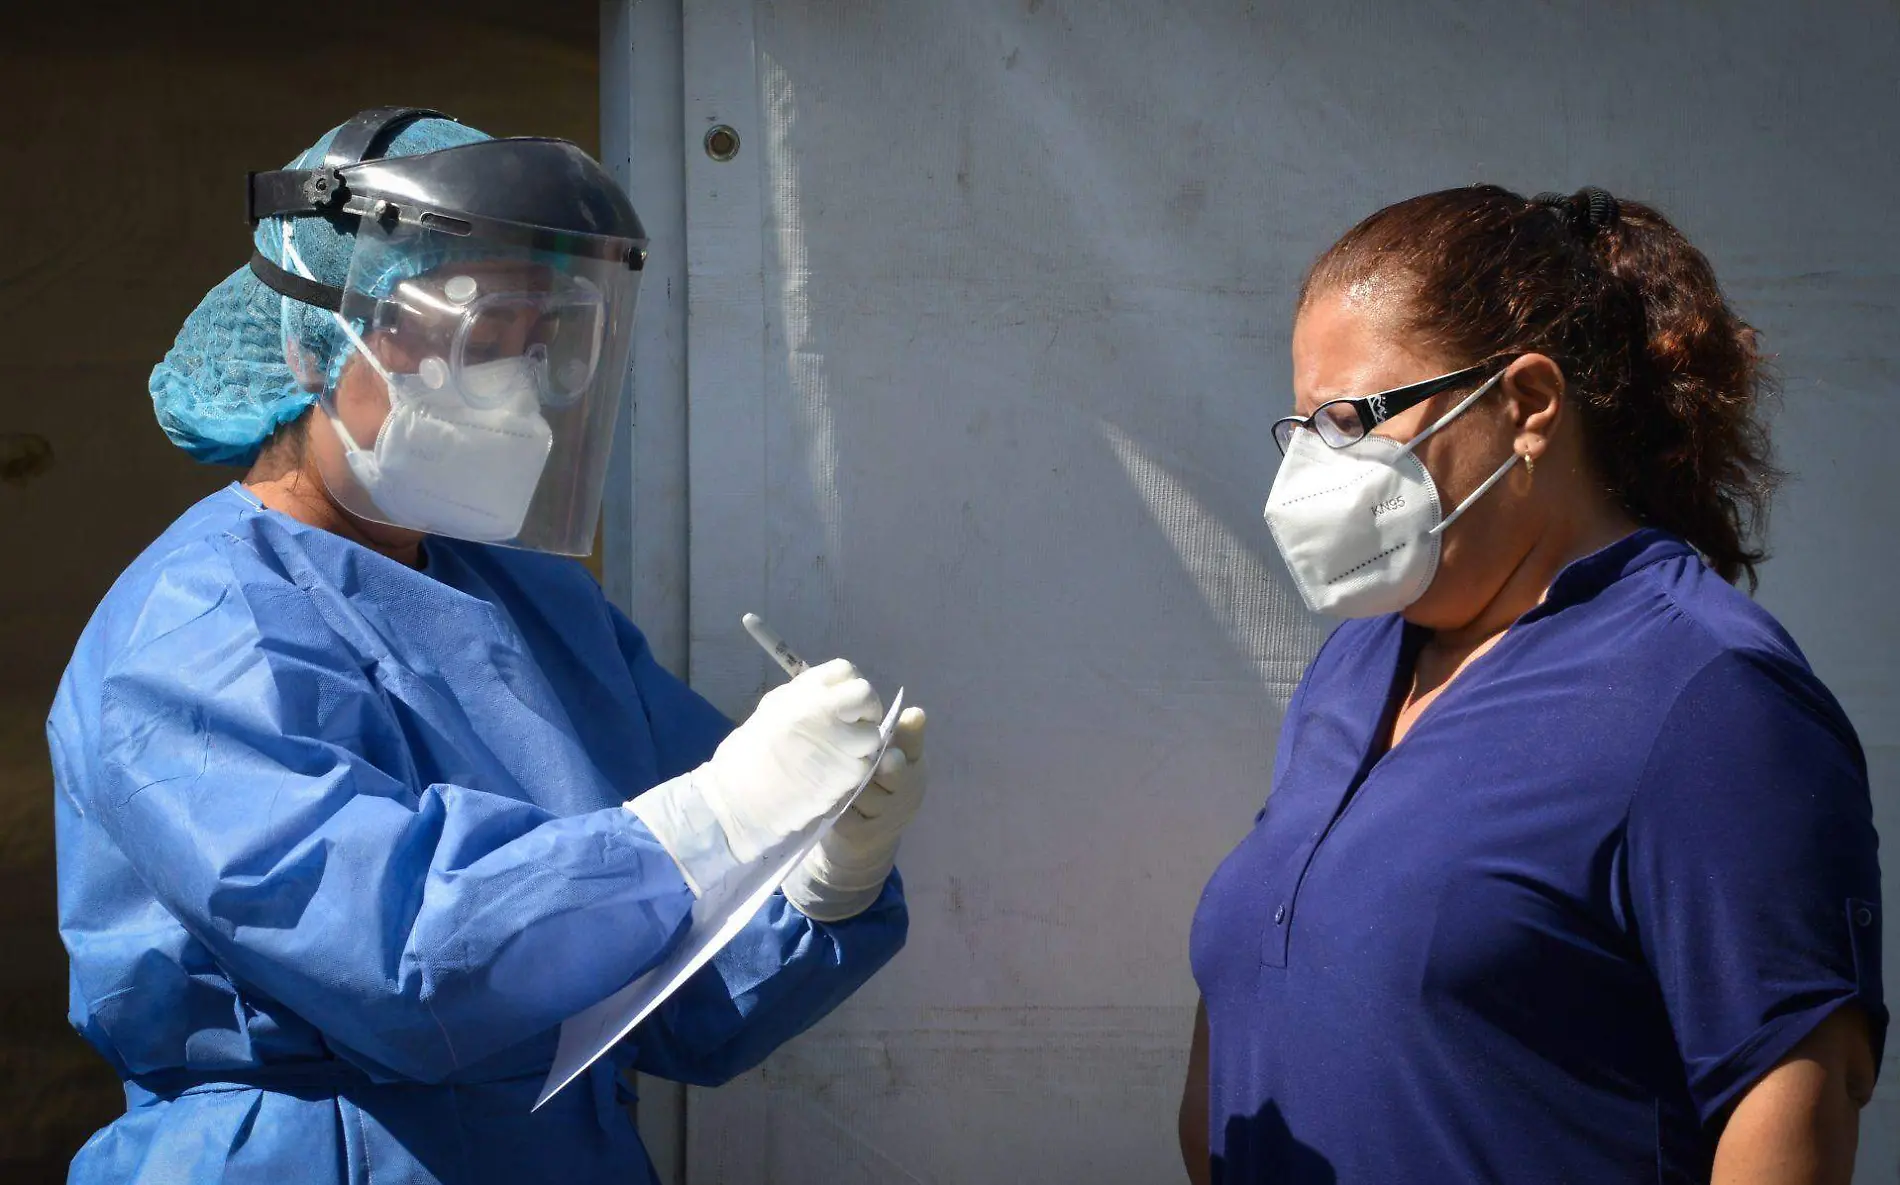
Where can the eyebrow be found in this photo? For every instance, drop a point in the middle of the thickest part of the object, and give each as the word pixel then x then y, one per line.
pixel 1325 395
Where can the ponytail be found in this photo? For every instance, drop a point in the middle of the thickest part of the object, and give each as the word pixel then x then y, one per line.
pixel 1682 440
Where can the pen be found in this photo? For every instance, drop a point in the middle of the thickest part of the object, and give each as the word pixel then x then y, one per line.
pixel 773 645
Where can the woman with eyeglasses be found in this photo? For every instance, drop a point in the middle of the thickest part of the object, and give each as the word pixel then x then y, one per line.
pixel 1569 870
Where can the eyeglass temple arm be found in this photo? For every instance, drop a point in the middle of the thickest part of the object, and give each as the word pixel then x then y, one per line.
pixel 1377 409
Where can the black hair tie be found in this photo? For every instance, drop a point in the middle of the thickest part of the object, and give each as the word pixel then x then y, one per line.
pixel 1586 211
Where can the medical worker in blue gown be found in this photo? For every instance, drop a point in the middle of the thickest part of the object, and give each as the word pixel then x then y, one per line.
pixel 362 787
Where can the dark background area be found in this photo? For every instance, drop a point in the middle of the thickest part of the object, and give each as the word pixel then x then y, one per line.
pixel 125 133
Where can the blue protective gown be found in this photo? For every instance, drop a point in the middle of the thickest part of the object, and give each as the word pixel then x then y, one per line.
pixel 341 845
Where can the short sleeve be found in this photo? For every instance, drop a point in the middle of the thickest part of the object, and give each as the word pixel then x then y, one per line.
pixel 1752 873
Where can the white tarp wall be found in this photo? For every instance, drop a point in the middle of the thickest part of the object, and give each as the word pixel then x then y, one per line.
pixel 964 368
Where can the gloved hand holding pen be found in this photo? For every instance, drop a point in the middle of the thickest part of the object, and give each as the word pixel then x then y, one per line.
pixel 809 744
pixel 846 872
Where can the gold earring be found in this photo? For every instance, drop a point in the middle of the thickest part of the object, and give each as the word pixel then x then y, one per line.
pixel 1530 465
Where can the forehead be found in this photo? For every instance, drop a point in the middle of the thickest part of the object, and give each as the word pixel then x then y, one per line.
pixel 1350 343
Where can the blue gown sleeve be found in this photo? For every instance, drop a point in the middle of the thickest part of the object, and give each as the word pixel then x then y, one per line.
pixel 779 976
pixel 1752 879
pixel 783 972
pixel 686 729
pixel 418 930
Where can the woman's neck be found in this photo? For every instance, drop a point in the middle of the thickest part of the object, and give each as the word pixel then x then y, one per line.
pixel 1556 548
pixel 301 494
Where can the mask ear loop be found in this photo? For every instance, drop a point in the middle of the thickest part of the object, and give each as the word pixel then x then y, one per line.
pixel 1476 494
pixel 295 260
pixel 1496 476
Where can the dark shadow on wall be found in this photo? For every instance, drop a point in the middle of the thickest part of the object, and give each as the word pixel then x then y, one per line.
pixel 126 132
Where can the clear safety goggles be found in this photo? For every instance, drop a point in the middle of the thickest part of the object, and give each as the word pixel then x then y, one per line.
pixel 446 325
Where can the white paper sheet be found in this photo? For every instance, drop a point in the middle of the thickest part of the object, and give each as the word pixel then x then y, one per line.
pixel 718 916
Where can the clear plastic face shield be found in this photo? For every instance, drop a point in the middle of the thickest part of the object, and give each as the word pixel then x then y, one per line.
pixel 473 380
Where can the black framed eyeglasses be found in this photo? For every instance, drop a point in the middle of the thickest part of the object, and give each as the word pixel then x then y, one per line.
pixel 1341 422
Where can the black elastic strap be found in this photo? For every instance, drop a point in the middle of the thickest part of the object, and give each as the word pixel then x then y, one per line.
pixel 369 132
pixel 287 283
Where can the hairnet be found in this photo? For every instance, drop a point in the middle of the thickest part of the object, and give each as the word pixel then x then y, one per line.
pixel 225 386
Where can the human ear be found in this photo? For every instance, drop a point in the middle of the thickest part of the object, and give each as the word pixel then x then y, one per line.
pixel 1535 393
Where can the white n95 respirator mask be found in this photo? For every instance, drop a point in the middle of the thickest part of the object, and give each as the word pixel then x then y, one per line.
pixel 444 466
pixel 1360 526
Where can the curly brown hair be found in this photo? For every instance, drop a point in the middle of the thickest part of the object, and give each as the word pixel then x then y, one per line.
pixel 1670 383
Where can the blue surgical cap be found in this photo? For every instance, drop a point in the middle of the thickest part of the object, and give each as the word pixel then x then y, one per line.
pixel 224 386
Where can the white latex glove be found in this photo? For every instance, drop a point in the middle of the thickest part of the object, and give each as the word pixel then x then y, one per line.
pixel 807 747
pixel 845 873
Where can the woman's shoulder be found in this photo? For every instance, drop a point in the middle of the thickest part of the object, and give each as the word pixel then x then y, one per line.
pixel 225 556
pixel 1725 618
pixel 188 563
pixel 1720 635
pixel 182 586
pixel 1733 660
